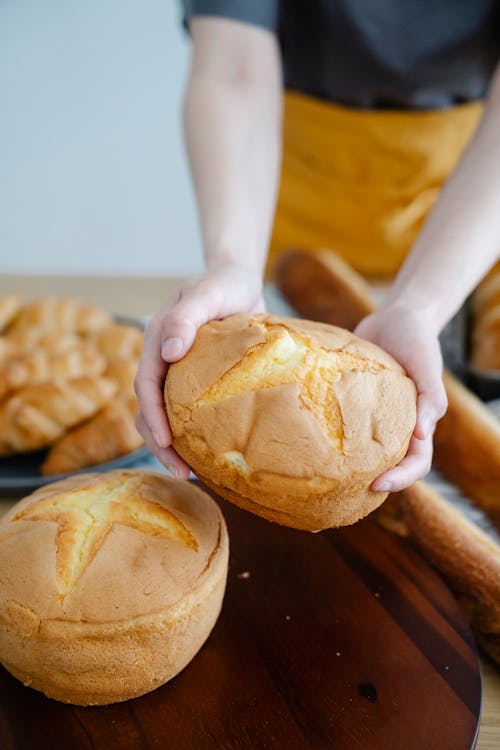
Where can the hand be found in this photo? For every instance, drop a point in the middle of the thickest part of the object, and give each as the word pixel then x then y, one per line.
pixel 225 289
pixel 412 339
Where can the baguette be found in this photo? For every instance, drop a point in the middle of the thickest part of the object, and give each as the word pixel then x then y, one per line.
pixel 485 340
pixel 467 557
pixel 107 435
pixel 39 414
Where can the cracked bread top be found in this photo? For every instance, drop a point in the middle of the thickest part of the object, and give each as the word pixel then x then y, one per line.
pixel 267 396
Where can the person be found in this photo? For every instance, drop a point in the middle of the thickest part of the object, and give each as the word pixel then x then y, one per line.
pixel 383 108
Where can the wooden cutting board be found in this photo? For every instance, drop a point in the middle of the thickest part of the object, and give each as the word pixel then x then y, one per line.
pixel 345 639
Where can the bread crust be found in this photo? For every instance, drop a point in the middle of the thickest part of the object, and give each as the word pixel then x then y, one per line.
pixel 267 425
pixel 135 611
pixel 464 554
pixel 108 434
pixel 322 286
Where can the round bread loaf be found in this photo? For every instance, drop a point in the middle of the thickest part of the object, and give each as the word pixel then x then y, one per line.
pixel 109 585
pixel 290 419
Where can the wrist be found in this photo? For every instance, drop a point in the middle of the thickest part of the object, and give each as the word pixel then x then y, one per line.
pixel 247 263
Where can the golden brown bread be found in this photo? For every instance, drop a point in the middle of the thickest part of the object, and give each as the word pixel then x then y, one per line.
pixel 56 315
pixel 7 349
pixel 39 414
pixel 10 304
pixel 289 418
pixel 42 365
pixel 467 447
pixel 464 554
pixel 119 340
pixel 122 371
pixel 320 285
pixel 110 584
pixel 485 339
pixel 107 435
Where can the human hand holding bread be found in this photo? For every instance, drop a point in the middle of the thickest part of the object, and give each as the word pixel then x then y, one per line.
pixel 413 340
pixel 225 289
pixel 203 300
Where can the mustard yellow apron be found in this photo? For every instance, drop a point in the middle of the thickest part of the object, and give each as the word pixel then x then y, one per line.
pixel 362 181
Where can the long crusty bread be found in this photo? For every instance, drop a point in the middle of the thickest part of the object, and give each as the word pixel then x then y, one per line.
pixel 485 339
pixel 464 554
pixel 107 435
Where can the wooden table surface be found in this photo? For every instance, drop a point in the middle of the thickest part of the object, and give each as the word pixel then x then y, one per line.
pixel 142 296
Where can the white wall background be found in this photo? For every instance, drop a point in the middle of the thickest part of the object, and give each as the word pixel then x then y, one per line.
pixel 92 169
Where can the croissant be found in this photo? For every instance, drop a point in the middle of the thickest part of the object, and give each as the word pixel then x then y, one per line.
pixel 39 414
pixel 109 434
pixel 10 304
pixel 42 365
pixel 122 371
pixel 58 342
pixel 7 348
pixel 119 340
pixel 53 315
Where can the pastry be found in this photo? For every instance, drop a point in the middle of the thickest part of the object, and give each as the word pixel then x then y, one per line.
pixel 39 414
pixel 107 435
pixel 41 365
pixel 55 315
pixel 119 340
pixel 10 304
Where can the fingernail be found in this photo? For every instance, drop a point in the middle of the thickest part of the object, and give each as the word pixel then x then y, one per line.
pixel 384 487
pixel 157 438
pixel 426 424
pixel 171 348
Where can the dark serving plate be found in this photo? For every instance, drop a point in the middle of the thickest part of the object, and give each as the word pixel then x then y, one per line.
pixel 21 473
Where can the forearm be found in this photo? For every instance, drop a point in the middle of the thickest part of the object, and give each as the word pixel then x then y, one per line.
pixel 461 238
pixel 232 122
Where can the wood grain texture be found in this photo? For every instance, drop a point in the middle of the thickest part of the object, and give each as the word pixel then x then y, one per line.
pixel 343 639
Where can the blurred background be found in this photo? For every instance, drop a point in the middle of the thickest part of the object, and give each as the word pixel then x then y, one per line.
pixel 93 175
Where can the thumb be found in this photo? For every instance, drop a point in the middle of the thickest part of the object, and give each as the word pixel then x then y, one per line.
pixel 192 308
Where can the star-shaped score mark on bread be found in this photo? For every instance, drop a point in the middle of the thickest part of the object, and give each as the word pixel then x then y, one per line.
pixel 85 516
pixel 288 357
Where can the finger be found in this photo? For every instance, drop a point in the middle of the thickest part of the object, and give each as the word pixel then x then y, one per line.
pixel 431 406
pixel 148 385
pixel 414 466
pixel 431 401
pixel 195 306
pixel 166 456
